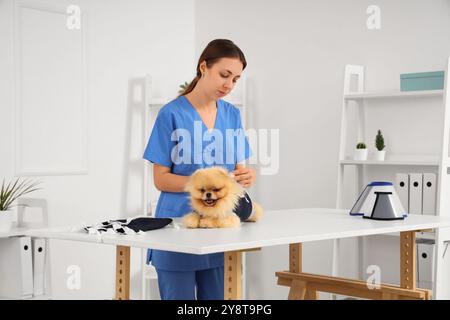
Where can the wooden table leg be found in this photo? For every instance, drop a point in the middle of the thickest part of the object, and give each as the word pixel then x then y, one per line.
pixel 122 273
pixel 295 257
pixel 408 260
pixel 298 289
pixel 232 275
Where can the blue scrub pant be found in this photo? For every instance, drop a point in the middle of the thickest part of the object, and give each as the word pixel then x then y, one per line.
pixel 187 285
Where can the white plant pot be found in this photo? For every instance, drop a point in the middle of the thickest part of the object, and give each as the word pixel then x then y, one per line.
pixel 5 220
pixel 361 154
pixel 380 155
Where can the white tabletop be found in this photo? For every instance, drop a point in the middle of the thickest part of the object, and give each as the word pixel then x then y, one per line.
pixel 276 227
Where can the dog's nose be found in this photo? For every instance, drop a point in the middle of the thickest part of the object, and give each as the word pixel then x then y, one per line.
pixel 208 194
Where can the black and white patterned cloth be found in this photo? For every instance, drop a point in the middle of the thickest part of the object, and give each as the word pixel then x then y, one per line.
pixel 128 226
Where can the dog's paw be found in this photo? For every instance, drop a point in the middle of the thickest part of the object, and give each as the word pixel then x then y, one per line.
pixel 257 214
pixel 191 220
pixel 231 221
pixel 207 223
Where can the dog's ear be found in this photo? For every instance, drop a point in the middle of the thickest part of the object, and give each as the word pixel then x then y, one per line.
pixel 188 186
pixel 223 170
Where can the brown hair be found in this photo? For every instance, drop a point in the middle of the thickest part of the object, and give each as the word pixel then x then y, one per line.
pixel 215 50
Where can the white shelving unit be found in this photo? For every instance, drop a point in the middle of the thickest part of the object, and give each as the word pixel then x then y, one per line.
pixel 392 94
pixel 406 162
pixel 151 194
pixel 439 163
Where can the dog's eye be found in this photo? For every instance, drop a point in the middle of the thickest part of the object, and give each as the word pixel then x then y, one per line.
pixel 202 190
pixel 217 190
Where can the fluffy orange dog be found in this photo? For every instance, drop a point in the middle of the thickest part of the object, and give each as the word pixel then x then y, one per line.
pixel 215 197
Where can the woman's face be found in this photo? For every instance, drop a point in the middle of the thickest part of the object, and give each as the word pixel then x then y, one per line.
pixel 221 78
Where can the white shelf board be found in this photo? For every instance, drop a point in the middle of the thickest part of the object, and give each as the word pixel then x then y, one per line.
pixel 419 235
pixel 392 94
pixel 14 232
pixel 41 297
pixel 416 161
pixel 158 101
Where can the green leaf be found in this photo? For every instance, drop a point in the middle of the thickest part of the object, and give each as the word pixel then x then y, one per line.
pixel 10 194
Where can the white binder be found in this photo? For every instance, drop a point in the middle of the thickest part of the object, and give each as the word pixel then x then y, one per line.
pixel 402 188
pixel 425 265
pixel 39 255
pixel 429 194
pixel 16 272
pixel 415 193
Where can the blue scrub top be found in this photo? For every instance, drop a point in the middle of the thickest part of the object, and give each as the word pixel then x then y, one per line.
pixel 177 123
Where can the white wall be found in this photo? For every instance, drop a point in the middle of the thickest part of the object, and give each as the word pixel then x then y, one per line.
pixel 125 40
pixel 296 53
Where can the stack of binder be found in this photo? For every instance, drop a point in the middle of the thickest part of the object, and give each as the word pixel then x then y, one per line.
pixel 22 267
pixel 23 264
pixel 417 192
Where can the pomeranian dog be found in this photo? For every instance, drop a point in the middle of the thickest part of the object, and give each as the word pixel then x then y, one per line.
pixel 218 201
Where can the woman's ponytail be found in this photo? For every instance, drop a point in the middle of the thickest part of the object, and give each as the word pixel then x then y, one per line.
pixel 190 87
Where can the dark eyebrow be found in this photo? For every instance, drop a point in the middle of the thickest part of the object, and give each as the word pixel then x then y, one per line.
pixel 231 73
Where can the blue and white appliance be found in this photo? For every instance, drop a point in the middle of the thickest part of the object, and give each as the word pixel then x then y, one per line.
pixel 379 201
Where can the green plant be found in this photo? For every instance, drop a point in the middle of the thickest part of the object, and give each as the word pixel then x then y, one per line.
pixel 9 194
pixel 379 141
pixel 361 145
pixel 183 87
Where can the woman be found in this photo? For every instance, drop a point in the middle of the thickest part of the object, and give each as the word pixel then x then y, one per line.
pixel 198 109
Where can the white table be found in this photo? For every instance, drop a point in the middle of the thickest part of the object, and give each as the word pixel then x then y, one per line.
pixel 277 227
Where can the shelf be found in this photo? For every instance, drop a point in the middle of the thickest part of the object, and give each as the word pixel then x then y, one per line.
pixel 419 235
pixel 414 160
pixel 158 101
pixel 395 162
pixel 14 232
pixel 393 94
pixel 40 297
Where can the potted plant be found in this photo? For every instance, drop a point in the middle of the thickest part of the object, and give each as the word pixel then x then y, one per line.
pixel 183 87
pixel 379 144
pixel 361 151
pixel 8 195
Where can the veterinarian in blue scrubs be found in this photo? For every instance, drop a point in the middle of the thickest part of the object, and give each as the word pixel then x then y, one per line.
pixel 201 116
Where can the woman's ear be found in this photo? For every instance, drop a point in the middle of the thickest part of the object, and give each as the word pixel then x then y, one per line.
pixel 202 67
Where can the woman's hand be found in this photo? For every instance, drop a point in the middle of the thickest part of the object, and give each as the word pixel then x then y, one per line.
pixel 245 176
